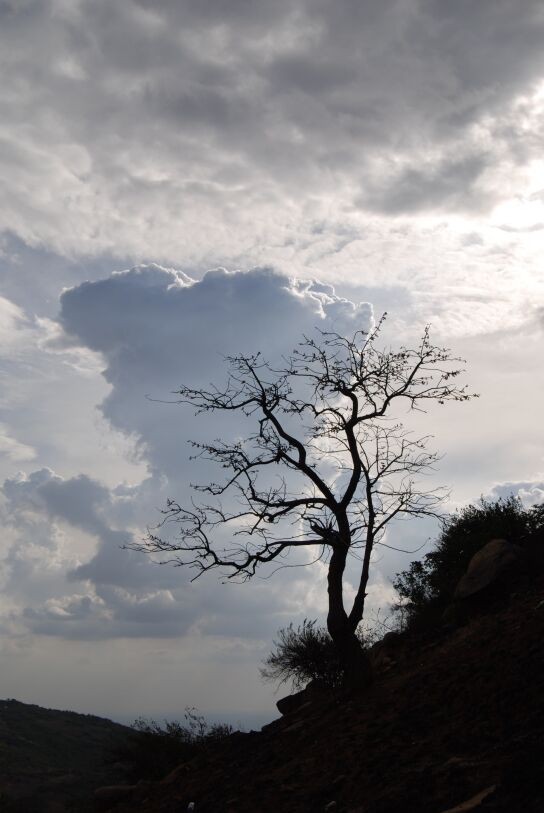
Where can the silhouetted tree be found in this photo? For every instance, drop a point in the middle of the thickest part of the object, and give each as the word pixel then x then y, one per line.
pixel 326 467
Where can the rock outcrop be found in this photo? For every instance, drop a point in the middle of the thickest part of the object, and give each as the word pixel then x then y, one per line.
pixel 385 653
pixel 497 565
pixel 293 702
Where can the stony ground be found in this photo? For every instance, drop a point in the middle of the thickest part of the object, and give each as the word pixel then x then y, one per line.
pixel 459 721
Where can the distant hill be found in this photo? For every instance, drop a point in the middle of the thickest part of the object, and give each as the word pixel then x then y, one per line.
pixel 52 760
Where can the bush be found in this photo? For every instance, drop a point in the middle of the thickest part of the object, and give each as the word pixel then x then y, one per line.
pixel 152 750
pixel 427 587
pixel 303 654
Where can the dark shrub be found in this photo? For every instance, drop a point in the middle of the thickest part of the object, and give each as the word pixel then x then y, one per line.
pixel 152 750
pixel 303 654
pixel 427 587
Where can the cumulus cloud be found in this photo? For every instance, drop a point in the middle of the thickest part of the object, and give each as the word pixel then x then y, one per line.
pixel 153 328
pixel 116 593
pixel 120 596
pixel 156 328
pixel 530 492
pixel 123 595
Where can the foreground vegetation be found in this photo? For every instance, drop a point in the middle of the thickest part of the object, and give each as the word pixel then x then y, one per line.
pixel 306 653
pixel 426 588
pixel 151 749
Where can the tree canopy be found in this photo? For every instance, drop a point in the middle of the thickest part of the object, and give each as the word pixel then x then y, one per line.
pixel 326 465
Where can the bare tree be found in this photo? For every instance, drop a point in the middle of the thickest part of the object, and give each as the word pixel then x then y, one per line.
pixel 326 467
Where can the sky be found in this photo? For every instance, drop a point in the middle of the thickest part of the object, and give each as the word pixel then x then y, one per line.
pixel 185 180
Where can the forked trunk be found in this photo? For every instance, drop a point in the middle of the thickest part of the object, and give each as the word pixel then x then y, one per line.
pixel 354 660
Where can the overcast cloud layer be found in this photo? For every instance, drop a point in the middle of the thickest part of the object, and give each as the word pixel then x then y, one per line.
pixel 180 130
pixel 349 158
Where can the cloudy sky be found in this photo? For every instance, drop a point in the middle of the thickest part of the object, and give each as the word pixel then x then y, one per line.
pixel 186 179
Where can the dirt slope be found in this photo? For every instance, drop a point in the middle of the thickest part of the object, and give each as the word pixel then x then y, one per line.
pixel 461 715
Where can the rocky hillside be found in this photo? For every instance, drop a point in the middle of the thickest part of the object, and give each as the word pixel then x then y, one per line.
pixel 454 722
pixel 53 760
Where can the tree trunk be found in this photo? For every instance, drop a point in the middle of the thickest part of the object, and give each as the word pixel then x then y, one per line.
pixel 356 614
pixel 354 660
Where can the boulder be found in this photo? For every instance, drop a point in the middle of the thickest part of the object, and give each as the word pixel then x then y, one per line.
pixel 496 564
pixel 386 652
pixel 293 702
